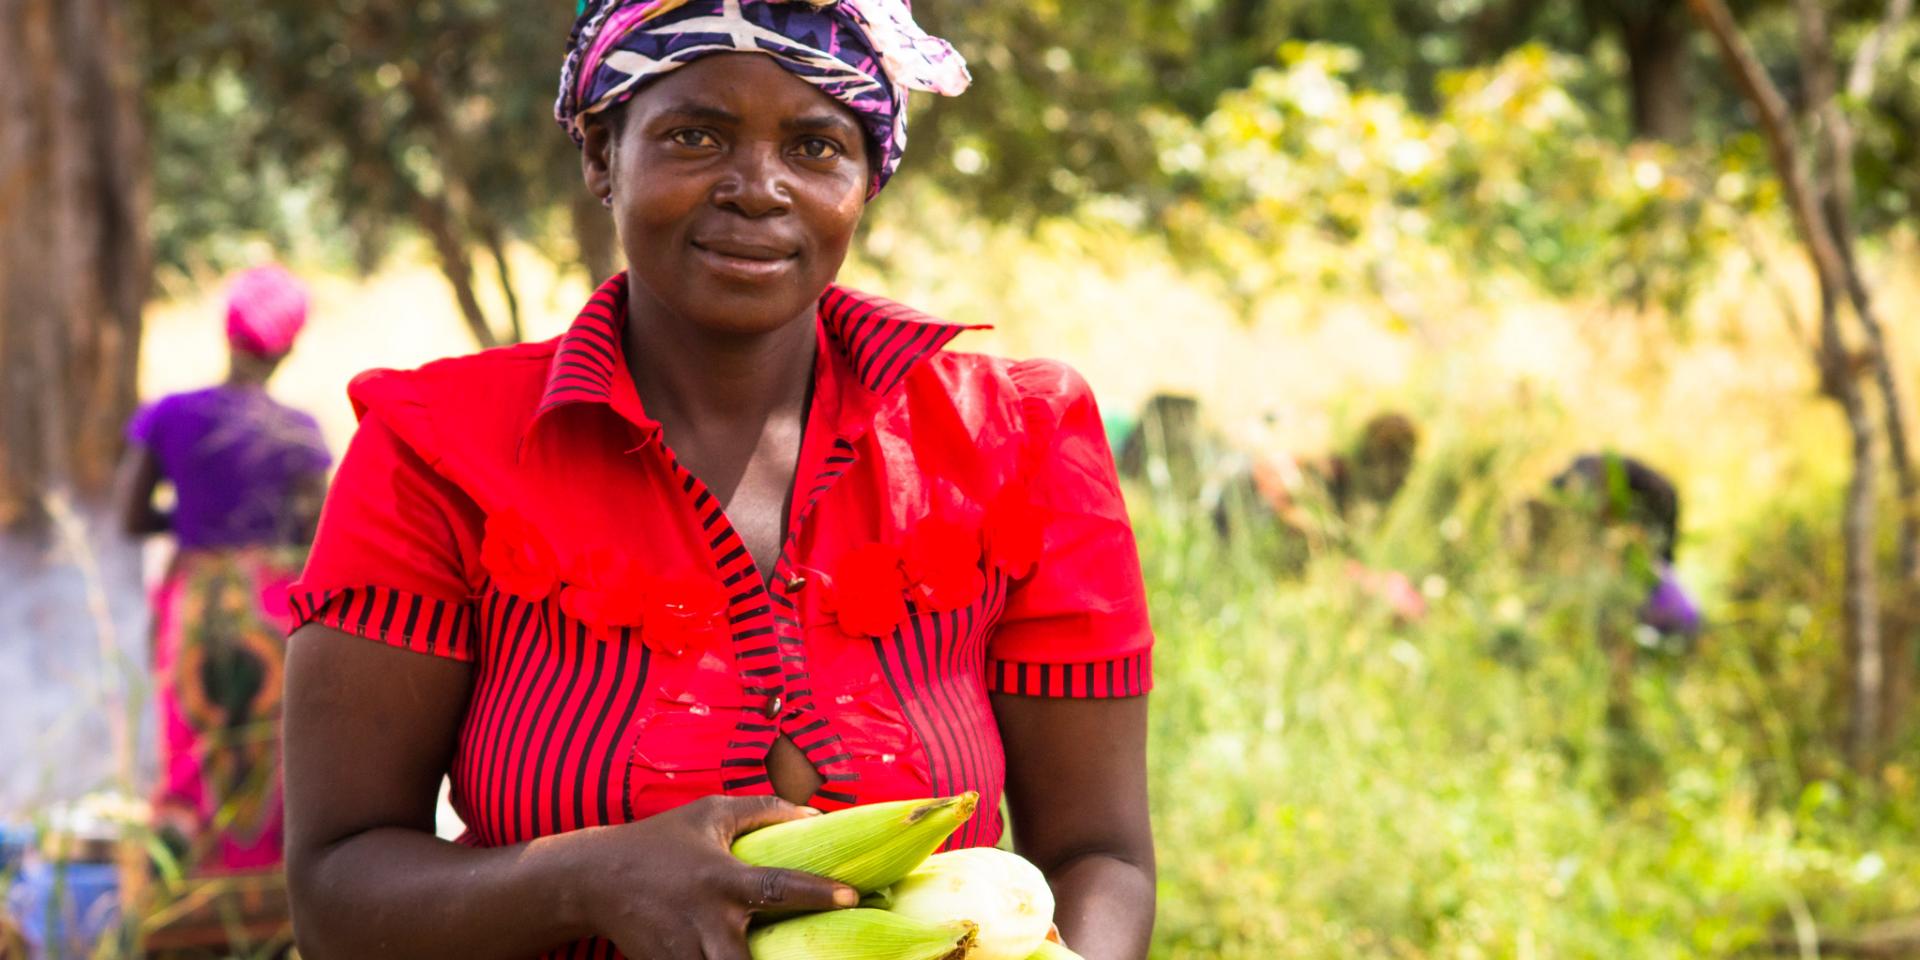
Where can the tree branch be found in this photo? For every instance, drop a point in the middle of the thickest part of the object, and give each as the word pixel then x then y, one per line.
pixel 1865 62
pixel 1838 371
pixel 489 230
pixel 1776 127
pixel 1835 163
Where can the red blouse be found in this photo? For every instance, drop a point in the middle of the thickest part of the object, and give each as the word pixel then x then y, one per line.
pixel 956 530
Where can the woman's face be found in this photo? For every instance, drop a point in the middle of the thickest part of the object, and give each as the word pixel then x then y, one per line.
pixel 736 188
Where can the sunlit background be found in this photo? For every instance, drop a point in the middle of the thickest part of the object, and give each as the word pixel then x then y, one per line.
pixel 1535 229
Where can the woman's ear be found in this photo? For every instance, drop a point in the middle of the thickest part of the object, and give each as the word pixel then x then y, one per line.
pixel 596 158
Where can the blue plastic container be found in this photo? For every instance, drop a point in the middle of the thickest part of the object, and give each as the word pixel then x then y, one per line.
pixel 15 840
pixel 65 909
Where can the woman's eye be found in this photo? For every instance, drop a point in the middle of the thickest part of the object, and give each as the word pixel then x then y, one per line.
pixel 692 138
pixel 819 148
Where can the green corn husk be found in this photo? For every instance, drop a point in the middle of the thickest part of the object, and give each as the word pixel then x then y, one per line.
pixel 861 934
pixel 867 848
pixel 1054 951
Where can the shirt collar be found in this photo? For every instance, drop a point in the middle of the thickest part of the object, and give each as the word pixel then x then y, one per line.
pixel 872 342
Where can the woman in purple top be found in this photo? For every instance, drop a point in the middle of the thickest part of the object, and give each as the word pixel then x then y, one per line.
pixel 248 475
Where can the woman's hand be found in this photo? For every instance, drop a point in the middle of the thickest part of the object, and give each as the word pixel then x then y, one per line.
pixel 370 731
pixel 668 887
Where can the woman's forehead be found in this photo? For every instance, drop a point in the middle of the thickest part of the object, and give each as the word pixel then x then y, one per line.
pixel 741 88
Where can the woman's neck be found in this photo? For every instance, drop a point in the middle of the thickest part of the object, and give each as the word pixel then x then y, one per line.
pixel 248 372
pixel 693 379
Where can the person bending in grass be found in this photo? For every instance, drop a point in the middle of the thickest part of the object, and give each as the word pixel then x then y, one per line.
pixel 1616 492
pixel 739 540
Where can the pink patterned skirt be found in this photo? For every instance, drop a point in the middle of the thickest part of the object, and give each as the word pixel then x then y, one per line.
pixel 219 651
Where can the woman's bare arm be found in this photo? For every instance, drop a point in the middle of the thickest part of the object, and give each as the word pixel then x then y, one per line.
pixel 133 488
pixel 1077 790
pixel 370 730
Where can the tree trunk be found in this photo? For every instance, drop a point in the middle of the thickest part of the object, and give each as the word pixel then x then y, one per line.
pixel 490 233
pixel 74 260
pixel 1833 164
pixel 1499 27
pixel 1840 372
pixel 1655 37
pixel 450 245
pixel 1837 140
pixel 1867 658
pixel 448 215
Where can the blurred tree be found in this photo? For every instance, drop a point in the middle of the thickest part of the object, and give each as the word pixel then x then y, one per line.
pixel 1654 34
pixel 1820 194
pixel 433 114
pixel 371 114
pixel 73 255
pixel 1510 172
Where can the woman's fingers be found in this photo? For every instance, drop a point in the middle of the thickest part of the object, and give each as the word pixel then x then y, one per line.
pixel 738 815
pixel 726 945
pixel 763 889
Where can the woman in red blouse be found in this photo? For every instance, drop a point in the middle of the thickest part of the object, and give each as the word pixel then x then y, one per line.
pixel 739 540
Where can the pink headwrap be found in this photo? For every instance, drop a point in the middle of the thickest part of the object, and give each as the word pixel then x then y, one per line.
pixel 266 307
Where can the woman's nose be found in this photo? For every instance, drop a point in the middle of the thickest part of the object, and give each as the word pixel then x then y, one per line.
pixel 755 184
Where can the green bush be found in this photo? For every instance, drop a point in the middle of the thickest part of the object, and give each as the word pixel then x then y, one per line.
pixel 1302 177
pixel 1330 782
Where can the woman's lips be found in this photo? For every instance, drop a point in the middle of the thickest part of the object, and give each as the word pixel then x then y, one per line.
pixel 743 261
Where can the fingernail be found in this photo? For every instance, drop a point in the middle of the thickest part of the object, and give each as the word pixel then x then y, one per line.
pixel 809 812
pixel 846 897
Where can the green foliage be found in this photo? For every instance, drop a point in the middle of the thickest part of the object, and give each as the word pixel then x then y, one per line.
pixel 1492 130
pixel 1889 159
pixel 350 119
pixel 1299 171
pixel 1334 782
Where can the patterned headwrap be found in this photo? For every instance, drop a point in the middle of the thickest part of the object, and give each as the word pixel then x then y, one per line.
pixel 266 307
pixel 864 53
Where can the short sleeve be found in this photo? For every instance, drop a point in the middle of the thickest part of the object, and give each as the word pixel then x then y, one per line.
pixel 145 421
pixel 310 453
pixel 389 556
pixel 1077 625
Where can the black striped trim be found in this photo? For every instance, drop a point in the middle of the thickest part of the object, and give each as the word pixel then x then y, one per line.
pixel 1128 676
pixel 585 365
pixel 443 628
pixel 883 340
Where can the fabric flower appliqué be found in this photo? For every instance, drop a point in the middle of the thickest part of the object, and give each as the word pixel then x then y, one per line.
pixel 605 592
pixel 938 569
pixel 869 590
pixel 518 557
pixel 942 564
pixel 608 591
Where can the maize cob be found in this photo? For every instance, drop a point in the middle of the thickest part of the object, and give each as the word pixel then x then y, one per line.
pixel 861 935
pixel 997 889
pixel 1050 950
pixel 866 847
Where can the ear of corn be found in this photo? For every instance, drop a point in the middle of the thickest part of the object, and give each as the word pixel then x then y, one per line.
pixel 866 847
pixel 861 934
pixel 1050 950
pixel 997 889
